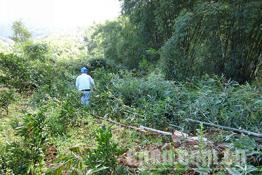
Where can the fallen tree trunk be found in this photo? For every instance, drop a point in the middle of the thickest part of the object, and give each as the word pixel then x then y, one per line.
pixel 176 136
pixel 239 131
pixel 121 124
pixel 155 131
pixel 139 129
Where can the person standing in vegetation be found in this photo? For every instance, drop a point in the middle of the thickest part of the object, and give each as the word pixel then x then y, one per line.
pixel 85 83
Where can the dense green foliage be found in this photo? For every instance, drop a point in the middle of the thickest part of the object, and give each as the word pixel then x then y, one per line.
pixel 119 41
pixel 187 38
pixel 36 51
pixel 155 102
pixel 22 73
pixel 105 154
pixel 7 96
pixel 138 62
pixel 215 37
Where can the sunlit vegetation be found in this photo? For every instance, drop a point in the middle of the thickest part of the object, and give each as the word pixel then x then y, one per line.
pixel 157 65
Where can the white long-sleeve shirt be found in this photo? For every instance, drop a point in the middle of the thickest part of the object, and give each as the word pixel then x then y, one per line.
pixel 84 81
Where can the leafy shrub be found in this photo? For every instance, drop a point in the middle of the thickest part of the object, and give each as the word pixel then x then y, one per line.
pixel 105 153
pixel 17 158
pixel 152 88
pixel 6 97
pixel 101 160
pixel 14 159
pixel 14 71
pixel 98 63
pixel 63 115
pixel 38 51
pixel 72 163
pixel 33 129
pixel 29 156
pixel 52 119
pixel 158 114
pixel 23 74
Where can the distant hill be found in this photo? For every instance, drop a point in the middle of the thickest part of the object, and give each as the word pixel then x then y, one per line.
pixel 40 32
pixel 37 32
pixel 5 40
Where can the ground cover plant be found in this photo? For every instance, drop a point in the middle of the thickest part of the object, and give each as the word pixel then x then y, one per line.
pixel 126 97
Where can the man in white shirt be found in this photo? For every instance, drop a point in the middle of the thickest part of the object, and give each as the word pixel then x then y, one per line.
pixel 85 83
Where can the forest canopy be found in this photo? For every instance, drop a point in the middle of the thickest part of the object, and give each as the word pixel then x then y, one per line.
pixel 187 38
